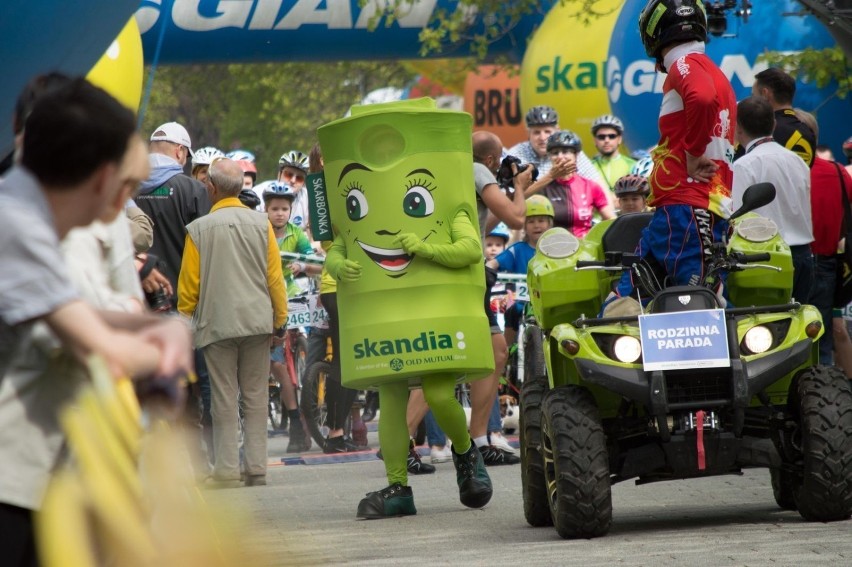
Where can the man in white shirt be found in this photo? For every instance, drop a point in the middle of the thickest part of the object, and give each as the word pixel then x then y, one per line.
pixel 766 160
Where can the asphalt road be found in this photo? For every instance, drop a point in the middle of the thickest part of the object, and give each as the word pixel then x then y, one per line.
pixel 306 516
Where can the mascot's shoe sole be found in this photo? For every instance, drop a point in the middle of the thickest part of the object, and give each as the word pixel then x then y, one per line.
pixel 393 501
pixel 474 483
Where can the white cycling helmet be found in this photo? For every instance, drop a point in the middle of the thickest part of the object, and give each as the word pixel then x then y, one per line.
pixel 240 155
pixel 206 155
pixel 610 121
pixel 643 167
pixel 293 158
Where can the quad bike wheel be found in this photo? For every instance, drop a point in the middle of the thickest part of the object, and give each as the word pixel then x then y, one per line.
pixel 533 390
pixel 824 492
pixel 783 488
pixel 576 464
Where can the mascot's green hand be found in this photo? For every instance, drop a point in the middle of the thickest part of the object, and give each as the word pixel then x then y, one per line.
pixel 412 244
pixel 350 271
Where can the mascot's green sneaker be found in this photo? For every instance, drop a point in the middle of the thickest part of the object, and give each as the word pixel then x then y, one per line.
pixel 395 500
pixel 474 483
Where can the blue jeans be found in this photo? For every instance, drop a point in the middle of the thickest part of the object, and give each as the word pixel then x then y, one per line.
pixel 434 434
pixel 494 421
pixel 822 297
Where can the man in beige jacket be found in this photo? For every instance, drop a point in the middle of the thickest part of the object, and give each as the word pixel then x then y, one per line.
pixel 232 286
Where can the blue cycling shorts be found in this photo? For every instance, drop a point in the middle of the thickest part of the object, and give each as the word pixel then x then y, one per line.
pixel 678 238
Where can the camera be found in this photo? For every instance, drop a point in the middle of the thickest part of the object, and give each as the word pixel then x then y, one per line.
pixel 505 175
pixel 159 301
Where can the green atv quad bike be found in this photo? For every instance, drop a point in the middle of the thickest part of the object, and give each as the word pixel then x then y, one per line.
pixel 686 389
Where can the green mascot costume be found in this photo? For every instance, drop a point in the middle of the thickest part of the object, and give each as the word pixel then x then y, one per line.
pixel 408 261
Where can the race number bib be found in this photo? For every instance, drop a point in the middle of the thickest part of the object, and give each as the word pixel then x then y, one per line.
pixel 319 316
pixel 298 314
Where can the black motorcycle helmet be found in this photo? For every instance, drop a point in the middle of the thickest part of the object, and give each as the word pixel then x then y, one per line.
pixel 663 22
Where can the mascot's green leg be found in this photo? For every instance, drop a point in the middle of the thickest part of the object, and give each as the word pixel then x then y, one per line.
pixel 473 480
pixel 397 499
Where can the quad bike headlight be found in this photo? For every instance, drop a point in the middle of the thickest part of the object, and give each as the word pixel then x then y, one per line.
pixel 558 243
pixel 758 339
pixel 627 349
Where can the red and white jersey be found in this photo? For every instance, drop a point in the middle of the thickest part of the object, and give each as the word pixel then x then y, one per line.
pixel 698 115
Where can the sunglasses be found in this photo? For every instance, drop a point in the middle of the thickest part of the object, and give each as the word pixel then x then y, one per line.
pixel 289 175
pixel 606 136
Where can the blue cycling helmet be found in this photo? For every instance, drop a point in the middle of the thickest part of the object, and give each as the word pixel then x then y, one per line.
pixel 273 188
pixel 643 167
pixel 240 155
pixel 501 230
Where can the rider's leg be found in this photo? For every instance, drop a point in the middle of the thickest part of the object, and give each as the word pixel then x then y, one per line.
pixel 288 391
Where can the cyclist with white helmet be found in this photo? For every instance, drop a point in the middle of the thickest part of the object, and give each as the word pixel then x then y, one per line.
pixel 542 121
pixel 201 160
pixel 293 170
pixel 643 167
pixel 611 163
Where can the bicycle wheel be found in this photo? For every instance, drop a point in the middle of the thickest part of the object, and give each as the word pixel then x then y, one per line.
pixel 300 357
pixel 312 401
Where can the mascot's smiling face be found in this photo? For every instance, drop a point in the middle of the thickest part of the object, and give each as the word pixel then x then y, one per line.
pixel 381 205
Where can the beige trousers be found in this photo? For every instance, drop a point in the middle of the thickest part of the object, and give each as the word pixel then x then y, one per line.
pixel 239 374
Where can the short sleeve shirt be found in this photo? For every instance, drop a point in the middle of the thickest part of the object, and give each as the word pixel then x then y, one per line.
pixel 33 279
pixel 482 178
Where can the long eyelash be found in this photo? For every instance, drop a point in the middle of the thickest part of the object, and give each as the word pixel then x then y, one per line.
pixel 352 185
pixel 425 183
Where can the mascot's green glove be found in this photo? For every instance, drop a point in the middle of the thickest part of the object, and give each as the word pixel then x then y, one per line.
pixel 341 268
pixel 412 244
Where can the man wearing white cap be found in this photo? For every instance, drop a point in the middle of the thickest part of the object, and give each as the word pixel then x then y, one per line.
pixel 170 198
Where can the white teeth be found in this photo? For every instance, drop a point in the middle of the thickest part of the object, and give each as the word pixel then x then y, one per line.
pixel 389 253
pixel 382 251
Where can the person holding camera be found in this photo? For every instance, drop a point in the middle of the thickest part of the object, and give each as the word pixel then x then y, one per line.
pixel 575 198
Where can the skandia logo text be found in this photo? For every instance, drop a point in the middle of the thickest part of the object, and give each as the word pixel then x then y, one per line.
pixel 421 343
pixel 641 77
pixel 196 16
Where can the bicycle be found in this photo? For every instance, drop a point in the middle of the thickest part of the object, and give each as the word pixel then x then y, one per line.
pixel 301 313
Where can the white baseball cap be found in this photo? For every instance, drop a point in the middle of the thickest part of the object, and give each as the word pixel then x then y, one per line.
pixel 172 132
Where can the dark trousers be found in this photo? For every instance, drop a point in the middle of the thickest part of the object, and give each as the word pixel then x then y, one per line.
pixel 339 399
pixel 17 538
pixel 822 297
pixel 803 272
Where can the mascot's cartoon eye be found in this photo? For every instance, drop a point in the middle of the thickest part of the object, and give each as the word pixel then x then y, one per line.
pixel 356 204
pixel 418 202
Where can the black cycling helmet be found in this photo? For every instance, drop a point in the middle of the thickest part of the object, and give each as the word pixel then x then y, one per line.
pixel 629 184
pixel 564 139
pixel 541 116
pixel 663 22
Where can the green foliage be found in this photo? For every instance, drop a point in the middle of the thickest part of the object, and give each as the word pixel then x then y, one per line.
pixel 822 66
pixel 267 108
pixel 478 23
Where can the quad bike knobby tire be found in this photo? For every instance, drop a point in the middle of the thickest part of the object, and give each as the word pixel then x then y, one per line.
pixel 783 488
pixel 825 413
pixel 533 390
pixel 576 464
